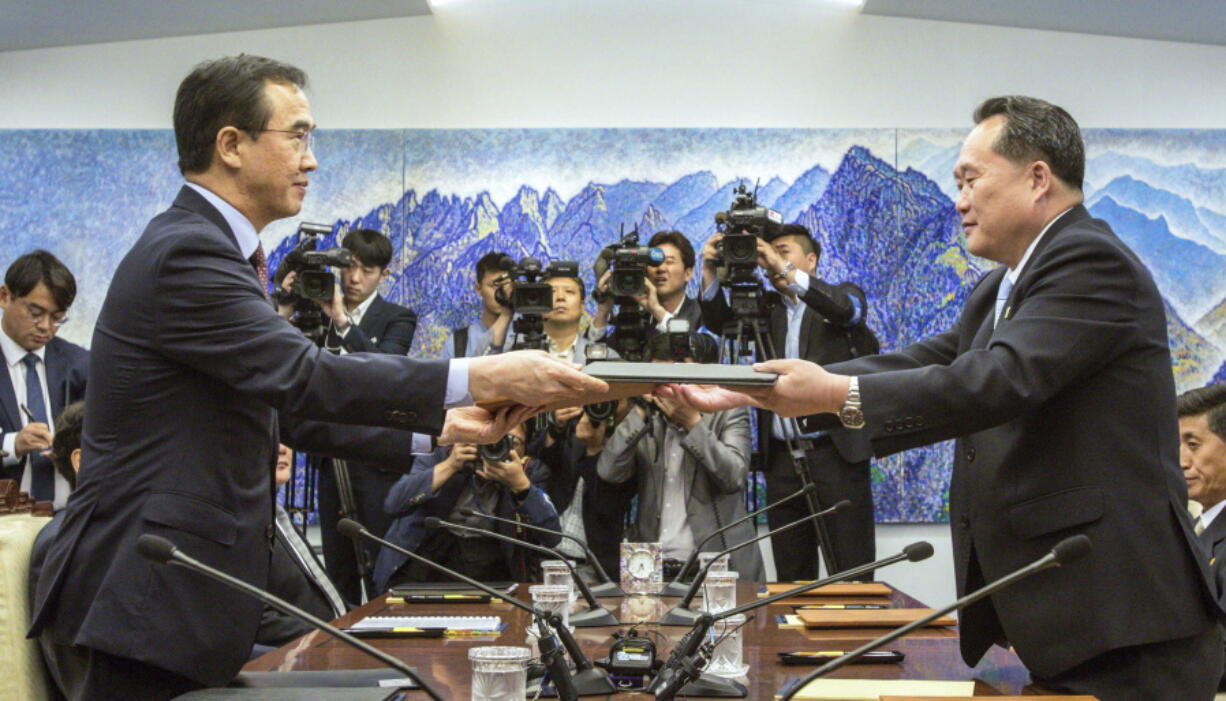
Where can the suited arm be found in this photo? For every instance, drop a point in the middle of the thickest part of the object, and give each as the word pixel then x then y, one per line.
pixel 835 303
pixel 389 448
pixel 715 310
pixel 1075 318
pixel 724 456
pixel 537 509
pixel 617 460
pixel 397 337
pixel 215 319
pixel 414 489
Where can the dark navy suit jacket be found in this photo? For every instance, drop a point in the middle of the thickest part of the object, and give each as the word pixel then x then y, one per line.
pixel 67 366
pixel 190 362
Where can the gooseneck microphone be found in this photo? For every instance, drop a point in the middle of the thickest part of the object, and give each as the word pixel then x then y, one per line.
pixel 587 680
pixel 607 586
pixel 676 588
pixel 679 672
pixel 1064 552
pixel 161 550
pixel 683 615
pixel 596 615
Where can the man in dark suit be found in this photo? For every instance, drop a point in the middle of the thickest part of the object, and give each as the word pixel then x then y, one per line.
pixel 192 365
pixel 361 321
pixel 1202 455
pixel 1057 383
pixel 43 374
pixel 816 321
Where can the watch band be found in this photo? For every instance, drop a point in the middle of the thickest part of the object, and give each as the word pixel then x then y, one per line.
pixel 783 274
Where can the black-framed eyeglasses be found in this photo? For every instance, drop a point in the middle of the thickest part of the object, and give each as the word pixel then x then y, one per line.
pixel 304 138
pixel 37 314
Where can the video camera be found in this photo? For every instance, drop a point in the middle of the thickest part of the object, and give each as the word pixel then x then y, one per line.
pixel 743 224
pixel 313 280
pixel 531 298
pixel 632 321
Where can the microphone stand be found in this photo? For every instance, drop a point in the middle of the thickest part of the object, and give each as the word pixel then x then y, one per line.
pixel 683 615
pixel 595 616
pixel 676 588
pixel 606 588
pixel 162 550
pixel 1064 552
pixel 587 680
pixel 681 672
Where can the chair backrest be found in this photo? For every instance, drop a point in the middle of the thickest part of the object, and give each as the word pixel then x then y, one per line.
pixel 22 673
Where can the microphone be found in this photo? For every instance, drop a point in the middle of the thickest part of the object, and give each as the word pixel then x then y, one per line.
pixel 676 588
pixel 606 588
pixel 161 550
pixel 1064 552
pixel 588 680
pixel 666 683
pixel 682 615
pixel 596 615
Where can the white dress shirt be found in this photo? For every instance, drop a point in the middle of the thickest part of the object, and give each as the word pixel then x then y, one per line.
pixel 13 355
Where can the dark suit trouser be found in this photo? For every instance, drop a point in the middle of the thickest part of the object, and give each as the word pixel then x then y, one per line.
pixel 1187 669
pixel 370 487
pixel 90 675
pixel 851 531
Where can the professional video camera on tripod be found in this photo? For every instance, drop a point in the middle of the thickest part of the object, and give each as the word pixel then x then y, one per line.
pixel 746 333
pixel 531 298
pixel 627 261
pixel 313 281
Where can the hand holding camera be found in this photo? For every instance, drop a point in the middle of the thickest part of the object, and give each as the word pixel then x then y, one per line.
pixel 508 471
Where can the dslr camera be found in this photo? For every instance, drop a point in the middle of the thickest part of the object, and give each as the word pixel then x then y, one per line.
pixel 499 451
pixel 743 224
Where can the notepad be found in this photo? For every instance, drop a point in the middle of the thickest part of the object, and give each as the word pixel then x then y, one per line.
pixel 874 689
pixel 490 624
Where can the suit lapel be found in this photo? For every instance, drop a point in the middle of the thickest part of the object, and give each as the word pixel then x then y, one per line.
pixel 808 318
pixel 8 398
pixel 373 318
pixel 56 384
pixel 986 325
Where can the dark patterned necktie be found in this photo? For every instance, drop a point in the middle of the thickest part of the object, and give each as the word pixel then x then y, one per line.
pixel 42 475
pixel 260 263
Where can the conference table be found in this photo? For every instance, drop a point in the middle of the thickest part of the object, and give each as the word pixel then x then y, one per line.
pixel 930 653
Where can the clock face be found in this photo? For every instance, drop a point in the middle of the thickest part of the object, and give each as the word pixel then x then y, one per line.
pixel 640 564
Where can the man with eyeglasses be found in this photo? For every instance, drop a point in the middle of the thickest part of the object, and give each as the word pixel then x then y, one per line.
pixel 45 373
pixel 191 367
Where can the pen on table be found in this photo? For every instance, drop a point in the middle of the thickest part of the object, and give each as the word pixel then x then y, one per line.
pixel 415 598
pixel 812 607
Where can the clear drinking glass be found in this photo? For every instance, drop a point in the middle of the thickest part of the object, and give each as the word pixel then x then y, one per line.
pixel 500 672
pixel 557 572
pixel 721 565
pixel 552 598
pixel 727 660
pixel 719 591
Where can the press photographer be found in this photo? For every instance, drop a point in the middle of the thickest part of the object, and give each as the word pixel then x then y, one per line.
pixel 350 316
pixel 648 290
pixel 804 317
pixel 546 305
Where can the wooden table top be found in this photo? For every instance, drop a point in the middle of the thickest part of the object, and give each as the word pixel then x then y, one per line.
pixel 931 653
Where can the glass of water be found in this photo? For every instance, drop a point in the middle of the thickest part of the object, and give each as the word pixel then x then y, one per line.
pixel 552 598
pixel 721 565
pixel 727 660
pixel 719 591
pixel 500 672
pixel 557 572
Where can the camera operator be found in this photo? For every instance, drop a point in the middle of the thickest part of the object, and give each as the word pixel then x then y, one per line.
pixel 589 508
pixel 490 479
pixel 822 323
pixel 561 323
pixel 474 339
pixel 665 297
pixel 359 320
pixel 691 467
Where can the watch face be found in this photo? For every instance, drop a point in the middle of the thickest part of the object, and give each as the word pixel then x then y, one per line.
pixel 852 417
pixel 640 564
pixel 641 567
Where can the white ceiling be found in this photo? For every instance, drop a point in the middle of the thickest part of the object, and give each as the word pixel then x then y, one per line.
pixel 31 24
pixel 1194 21
pixel 34 24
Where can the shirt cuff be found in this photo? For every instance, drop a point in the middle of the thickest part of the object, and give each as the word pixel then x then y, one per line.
pixel 662 327
pixel 10 447
pixel 709 293
pixel 801 284
pixel 457 384
pixel 858 314
pixel 422 444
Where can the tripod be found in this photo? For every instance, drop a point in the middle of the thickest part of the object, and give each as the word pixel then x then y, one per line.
pixel 749 326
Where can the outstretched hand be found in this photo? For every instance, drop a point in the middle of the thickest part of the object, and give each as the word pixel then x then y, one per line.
pixel 472 424
pixel 530 377
pixel 803 388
